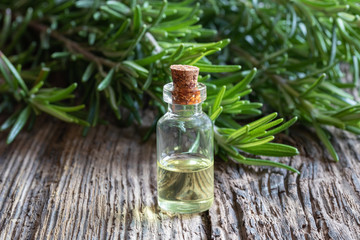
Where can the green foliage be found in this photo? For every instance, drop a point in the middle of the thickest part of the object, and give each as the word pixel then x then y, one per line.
pixel 292 44
pixel 115 55
pixel 37 99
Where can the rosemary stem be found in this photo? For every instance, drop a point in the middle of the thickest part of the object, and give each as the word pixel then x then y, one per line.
pixel 74 47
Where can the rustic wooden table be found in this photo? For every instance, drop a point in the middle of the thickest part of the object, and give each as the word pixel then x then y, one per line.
pixel 56 184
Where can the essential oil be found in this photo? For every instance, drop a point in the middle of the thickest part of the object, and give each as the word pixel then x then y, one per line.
pixel 186 183
pixel 185 158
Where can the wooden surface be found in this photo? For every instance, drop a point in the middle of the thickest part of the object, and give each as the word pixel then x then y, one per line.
pixel 55 184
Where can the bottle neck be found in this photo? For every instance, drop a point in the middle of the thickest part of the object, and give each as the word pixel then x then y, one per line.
pixel 185 110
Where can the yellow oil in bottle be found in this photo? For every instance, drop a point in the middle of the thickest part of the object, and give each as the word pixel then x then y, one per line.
pixel 185 183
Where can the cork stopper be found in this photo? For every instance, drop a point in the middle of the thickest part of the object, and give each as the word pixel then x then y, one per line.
pixel 185 91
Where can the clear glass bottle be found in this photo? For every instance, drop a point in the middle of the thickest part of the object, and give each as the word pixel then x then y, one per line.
pixel 185 161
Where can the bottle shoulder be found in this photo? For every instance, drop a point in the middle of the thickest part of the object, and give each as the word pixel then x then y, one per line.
pixel 196 119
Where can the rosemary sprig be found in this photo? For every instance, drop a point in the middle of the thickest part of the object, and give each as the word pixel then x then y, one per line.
pixel 36 100
pixel 293 43
pixel 234 140
pixel 119 54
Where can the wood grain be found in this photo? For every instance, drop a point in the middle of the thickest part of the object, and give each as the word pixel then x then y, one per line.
pixel 56 184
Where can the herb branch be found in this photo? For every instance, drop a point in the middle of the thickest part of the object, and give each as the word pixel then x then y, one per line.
pixel 116 55
pixel 298 47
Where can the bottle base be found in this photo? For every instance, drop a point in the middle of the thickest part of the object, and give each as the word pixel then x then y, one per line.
pixel 185 206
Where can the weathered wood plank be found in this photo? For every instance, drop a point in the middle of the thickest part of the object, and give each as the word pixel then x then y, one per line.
pixel 55 184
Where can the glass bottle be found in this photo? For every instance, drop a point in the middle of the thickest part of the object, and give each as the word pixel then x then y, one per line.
pixel 185 156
